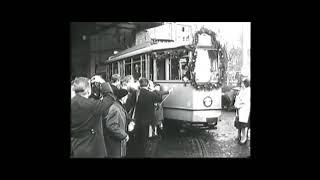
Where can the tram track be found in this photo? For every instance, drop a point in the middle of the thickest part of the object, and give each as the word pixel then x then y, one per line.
pixel 194 145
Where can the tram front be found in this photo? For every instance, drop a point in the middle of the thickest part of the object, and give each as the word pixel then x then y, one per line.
pixel 197 100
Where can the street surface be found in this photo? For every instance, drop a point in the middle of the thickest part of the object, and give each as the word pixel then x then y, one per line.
pixel 218 143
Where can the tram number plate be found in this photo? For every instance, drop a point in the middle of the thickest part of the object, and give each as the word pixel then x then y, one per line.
pixel 211 120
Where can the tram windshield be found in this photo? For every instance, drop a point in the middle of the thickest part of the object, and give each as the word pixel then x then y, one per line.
pixel 206 66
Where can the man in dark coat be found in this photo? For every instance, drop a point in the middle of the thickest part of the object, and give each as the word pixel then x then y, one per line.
pixel 115 126
pixel 86 123
pixel 144 115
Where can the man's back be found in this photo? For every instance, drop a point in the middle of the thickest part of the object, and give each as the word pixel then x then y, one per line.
pixel 119 93
pixel 115 130
pixel 145 105
pixel 86 127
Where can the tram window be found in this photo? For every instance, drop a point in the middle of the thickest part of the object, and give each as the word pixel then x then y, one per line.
pixel 115 68
pixel 136 68
pixel 128 67
pixel 214 65
pixel 184 69
pixel 161 69
pixel 108 73
pixel 151 70
pixel 174 70
pixel 121 68
pixel 213 59
pixel 143 68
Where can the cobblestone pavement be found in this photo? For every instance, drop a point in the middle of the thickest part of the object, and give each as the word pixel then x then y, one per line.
pixel 217 143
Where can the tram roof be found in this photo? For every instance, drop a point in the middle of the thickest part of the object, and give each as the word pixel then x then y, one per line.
pixel 136 50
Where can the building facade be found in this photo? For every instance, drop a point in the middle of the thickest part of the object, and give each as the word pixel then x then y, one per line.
pixel 169 32
pixel 117 37
pixel 103 45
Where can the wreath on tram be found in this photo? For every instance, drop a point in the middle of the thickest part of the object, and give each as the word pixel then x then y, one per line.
pixel 172 54
pixel 222 55
pixel 191 65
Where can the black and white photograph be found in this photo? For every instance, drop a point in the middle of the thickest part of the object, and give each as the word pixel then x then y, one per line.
pixel 160 90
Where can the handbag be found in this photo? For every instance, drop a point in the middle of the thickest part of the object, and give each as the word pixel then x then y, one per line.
pixel 158 111
pixel 236 121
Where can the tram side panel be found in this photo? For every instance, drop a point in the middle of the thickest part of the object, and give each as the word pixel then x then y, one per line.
pixel 187 104
pixel 179 104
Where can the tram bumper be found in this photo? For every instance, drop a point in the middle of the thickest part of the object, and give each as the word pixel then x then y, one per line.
pixel 207 119
pixel 204 119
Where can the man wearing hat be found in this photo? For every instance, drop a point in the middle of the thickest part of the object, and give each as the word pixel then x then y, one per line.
pixel 115 127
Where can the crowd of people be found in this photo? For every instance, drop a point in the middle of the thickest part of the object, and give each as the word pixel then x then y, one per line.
pixel 110 119
pixel 116 119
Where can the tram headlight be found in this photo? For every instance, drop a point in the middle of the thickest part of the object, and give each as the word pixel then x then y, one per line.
pixel 207 101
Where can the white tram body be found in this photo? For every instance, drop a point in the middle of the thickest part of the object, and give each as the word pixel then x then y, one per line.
pixel 185 103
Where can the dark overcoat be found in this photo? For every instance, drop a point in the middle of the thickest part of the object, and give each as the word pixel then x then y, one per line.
pixel 115 124
pixel 87 139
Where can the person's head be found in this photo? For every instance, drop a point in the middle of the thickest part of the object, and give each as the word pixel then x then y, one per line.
pixel 157 87
pixel 246 83
pixel 143 82
pixel 81 86
pixel 185 78
pixel 72 91
pixel 127 80
pixel 151 85
pixel 115 79
pixel 136 67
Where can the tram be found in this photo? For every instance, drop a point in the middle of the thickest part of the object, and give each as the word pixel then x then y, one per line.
pixel 193 70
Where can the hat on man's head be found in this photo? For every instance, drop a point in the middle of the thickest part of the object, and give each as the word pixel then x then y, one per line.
pixel 120 93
